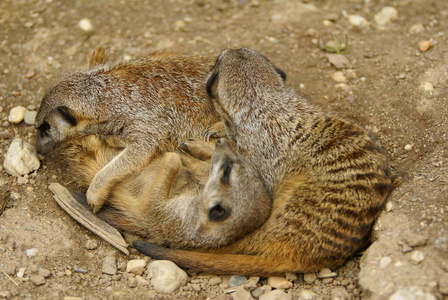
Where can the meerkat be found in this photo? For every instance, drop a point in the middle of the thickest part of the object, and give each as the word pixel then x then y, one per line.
pixel 144 107
pixel 329 180
pixel 178 199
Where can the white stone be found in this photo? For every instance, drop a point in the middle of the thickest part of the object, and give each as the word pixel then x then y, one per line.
pixel 411 293
pixel 416 28
pixel 427 86
pixel 408 147
pixel 309 277
pixel 279 282
pixel 31 252
pixel 275 295
pixel 17 114
pixel 389 206
pixel 339 293
pixel 386 15
pixel 307 295
pixel 339 77
pixel 326 273
pixel 30 117
pixel 136 266
pixel 417 256
pixel 358 21
pixel 21 158
pixel 385 262
pixel 85 25
pixel 166 276
pixel 241 294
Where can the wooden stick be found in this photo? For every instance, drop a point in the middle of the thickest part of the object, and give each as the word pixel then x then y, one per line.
pixel 86 217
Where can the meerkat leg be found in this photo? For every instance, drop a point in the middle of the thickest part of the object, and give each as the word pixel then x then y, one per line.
pixel 197 149
pixel 216 130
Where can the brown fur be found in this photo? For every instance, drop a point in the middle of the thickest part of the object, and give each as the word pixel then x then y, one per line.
pixel 170 201
pixel 144 107
pixel 328 178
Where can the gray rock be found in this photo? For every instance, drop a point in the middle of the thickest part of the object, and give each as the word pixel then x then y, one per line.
pixel 416 240
pixel 236 280
pixel 309 278
pixel 339 61
pixel 276 295
pixel 21 158
pixel 109 265
pixel 166 276
pixel 37 280
pixel 80 270
pixel 44 272
pixel 261 290
pixel 279 282
pixel 251 283
pixel 241 294
pixel 30 117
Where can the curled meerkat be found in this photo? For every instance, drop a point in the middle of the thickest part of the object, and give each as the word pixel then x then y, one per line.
pixel 329 180
pixel 144 107
pixel 178 200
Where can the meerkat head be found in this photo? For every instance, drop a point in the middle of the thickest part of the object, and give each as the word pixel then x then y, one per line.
pixel 234 202
pixel 238 71
pixel 63 105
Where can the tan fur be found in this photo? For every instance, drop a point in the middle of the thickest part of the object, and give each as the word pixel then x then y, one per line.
pixel 144 107
pixel 328 178
pixel 170 200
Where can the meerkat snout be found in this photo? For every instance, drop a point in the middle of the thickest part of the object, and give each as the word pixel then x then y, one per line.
pixel 218 212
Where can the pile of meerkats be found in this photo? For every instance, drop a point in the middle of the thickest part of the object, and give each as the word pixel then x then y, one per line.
pixel 216 166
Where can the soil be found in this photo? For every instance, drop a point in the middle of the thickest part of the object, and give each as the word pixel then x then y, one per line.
pixel 393 88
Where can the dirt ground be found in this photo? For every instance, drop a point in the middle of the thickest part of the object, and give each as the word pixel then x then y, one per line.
pixel 393 88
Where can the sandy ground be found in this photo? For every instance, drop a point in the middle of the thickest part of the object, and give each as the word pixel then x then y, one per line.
pixel 393 88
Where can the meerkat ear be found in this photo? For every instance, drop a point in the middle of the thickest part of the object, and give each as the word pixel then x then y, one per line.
pixel 67 114
pixel 98 56
pixel 281 73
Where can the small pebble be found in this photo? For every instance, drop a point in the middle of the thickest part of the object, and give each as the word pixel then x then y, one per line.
pixel 30 117
pixel 17 114
pixel 132 282
pixel 386 15
pixel 37 280
pixel 309 278
pixel 326 273
pixel 32 252
pixel 427 86
pixel 416 240
pixel 44 272
pixel 425 45
pixel 142 281
pixel 385 262
pixel 405 248
pixel 215 280
pixel 339 77
pixel 261 290
pixel 291 276
pixel 91 244
pixel 30 74
pixel 408 147
pixel 136 266
pixel 389 206
pixel 20 272
pixel 339 293
pixel 339 61
pixel 276 295
pixel 166 276
pixel 241 294
pixel 86 25
pixel 358 21
pixel 307 295
pixel 236 280
pixel 80 270
pixel 251 283
pixel 109 265
pixel 416 28
pixel 417 257
pixel 279 282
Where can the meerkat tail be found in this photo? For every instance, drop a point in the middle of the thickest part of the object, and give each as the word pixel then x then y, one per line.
pixel 220 263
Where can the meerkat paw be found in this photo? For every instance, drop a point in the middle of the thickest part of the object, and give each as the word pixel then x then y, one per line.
pixel 197 149
pixel 216 130
pixel 94 198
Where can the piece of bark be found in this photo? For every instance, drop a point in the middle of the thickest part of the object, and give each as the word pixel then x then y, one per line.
pixel 86 217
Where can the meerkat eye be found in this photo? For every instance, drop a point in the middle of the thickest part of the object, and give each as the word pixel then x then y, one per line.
pixel 218 213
